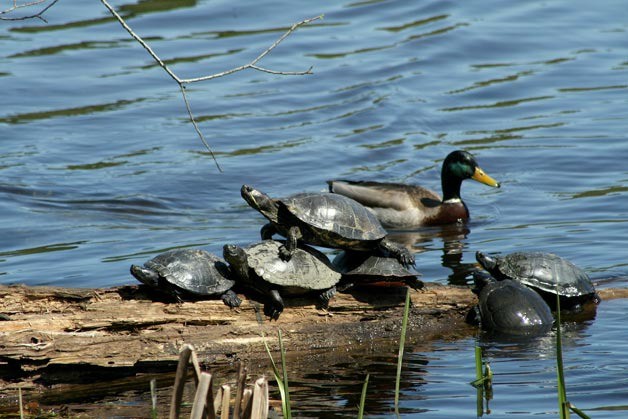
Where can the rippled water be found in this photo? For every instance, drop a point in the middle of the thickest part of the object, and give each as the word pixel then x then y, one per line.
pixel 100 168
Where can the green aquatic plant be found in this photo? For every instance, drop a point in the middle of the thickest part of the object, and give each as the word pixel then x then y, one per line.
pixel 483 382
pixel 564 406
pixel 363 397
pixel 281 377
pixel 402 342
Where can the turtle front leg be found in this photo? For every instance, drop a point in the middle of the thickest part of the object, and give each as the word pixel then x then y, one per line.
pixel 231 299
pixel 292 238
pixel 267 231
pixel 415 283
pixel 326 296
pixel 399 252
pixel 274 307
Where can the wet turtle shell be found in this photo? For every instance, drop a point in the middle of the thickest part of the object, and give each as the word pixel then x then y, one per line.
pixel 337 220
pixel 509 307
pixel 323 219
pixel 261 268
pixel 547 273
pixel 192 272
pixel 362 268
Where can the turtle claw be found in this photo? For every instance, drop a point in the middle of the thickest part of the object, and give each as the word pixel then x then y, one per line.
pixel 272 311
pixel 231 299
pixel 285 254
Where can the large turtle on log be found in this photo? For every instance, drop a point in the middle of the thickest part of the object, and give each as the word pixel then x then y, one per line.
pixel 259 267
pixel 188 272
pixel 323 219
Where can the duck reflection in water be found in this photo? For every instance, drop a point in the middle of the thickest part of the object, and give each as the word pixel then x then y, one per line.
pixel 453 238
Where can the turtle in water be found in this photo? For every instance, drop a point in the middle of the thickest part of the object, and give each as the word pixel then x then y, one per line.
pixel 546 273
pixel 323 219
pixel 509 307
pixel 191 272
pixel 373 268
pixel 259 267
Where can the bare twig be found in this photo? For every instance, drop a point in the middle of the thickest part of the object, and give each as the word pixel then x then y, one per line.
pixel 182 82
pixel 28 4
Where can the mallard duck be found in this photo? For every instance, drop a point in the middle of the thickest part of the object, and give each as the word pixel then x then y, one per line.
pixel 402 206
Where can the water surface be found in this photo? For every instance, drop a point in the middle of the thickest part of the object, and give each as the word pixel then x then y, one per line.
pixel 100 167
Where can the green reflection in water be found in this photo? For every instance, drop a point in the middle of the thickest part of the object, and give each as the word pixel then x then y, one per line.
pixel 501 104
pixel 94 166
pixel 194 58
pixel 56 247
pixel 127 11
pixel 612 190
pixel 486 83
pixel 266 148
pixel 67 47
pixel 81 110
pixel 416 23
pixel 590 89
pixel 389 143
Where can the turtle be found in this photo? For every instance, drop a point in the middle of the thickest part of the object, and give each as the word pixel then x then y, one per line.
pixel 322 219
pixel 192 272
pixel 260 267
pixel 375 268
pixel 509 307
pixel 546 273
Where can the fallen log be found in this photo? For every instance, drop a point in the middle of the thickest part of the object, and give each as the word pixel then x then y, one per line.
pixel 125 327
pixel 52 335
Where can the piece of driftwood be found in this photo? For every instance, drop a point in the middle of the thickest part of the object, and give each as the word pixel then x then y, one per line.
pixel 53 334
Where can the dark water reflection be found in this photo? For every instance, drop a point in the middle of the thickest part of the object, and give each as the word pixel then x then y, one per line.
pixel 99 167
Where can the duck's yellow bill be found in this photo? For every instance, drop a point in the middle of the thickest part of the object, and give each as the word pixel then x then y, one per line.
pixel 482 177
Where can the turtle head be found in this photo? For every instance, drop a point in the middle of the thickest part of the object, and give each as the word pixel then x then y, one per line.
pixel 145 276
pixel 488 262
pixel 480 280
pixel 260 201
pixel 236 257
pixel 233 254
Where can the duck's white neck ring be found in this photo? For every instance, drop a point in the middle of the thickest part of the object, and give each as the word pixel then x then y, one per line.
pixel 453 201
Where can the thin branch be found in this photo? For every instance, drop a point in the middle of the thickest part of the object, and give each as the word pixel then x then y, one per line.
pixel 33 3
pixel 196 128
pixel 141 41
pixel 182 82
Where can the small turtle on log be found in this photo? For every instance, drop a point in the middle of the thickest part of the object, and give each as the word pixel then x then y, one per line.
pixel 188 272
pixel 373 268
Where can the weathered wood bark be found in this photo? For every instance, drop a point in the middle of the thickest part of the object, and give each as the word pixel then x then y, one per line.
pixel 124 327
pixel 45 331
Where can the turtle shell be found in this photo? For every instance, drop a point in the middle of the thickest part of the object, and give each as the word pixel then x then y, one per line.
pixel 510 307
pixel 307 269
pixel 373 268
pixel 545 271
pixel 335 217
pixel 368 264
pixel 192 270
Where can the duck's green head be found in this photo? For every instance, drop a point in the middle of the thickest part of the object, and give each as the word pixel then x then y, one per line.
pixel 462 165
pixel 458 166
